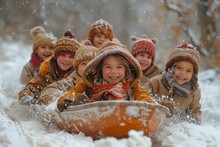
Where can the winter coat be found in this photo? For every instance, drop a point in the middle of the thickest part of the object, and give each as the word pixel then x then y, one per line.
pixel 28 72
pixel 152 71
pixel 82 86
pixel 58 88
pixel 190 106
pixel 45 77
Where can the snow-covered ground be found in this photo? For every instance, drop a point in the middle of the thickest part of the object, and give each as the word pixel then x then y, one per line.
pixel 21 126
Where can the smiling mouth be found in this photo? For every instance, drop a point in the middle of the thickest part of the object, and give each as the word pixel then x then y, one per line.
pixel 65 63
pixel 47 55
pixel 181 78
pixel 113 78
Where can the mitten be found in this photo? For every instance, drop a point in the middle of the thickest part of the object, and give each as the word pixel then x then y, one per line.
pixel 169 105
pixel 81 99
pixel 64 104
pixel 27 100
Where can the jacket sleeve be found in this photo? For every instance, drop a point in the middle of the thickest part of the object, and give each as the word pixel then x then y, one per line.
pixel 26 75
pixel 195 106
pixel 80 87
pixel 56 89
pixel 140 94
pixel 152 85
pixel 33 88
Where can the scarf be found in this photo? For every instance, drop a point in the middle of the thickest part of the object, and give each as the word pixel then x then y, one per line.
pixel 106 91
pixel 59 73
pixel 183 90
pixel 36 60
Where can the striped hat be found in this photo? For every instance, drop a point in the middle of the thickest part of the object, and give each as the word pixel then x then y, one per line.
pixel 67 44
pixel 100 27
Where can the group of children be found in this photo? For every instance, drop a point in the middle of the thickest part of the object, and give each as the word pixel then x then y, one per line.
pixel 101 68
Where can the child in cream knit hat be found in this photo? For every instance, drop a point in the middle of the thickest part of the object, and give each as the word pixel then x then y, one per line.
pixel 43 48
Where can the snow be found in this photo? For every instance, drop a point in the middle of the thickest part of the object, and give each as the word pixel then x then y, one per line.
pixel 24 126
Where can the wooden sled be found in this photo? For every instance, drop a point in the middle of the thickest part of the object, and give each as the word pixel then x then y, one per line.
pixel 111 118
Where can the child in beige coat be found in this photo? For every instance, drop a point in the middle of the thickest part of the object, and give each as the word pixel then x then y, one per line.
pixel 43 48
pixel 179 84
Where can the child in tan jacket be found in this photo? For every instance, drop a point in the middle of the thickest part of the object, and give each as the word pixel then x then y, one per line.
pixel 43 48
pixel 113 74
pixel 179 83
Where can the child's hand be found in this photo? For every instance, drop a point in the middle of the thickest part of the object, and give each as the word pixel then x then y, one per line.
pixel 169 105
pixel 64 104
pixel 81 99
pixel 27 100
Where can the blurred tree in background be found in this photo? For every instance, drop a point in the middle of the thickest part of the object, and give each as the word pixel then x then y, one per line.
pixel 172 22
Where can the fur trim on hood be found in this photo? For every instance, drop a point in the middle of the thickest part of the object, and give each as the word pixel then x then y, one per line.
pixel 44 68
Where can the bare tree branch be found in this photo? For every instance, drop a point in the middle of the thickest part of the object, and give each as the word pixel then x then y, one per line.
pixel 171 6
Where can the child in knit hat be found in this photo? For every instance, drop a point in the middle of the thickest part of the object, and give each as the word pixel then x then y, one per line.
pixel 144 51
pixel 113 74
pixel 83 55
pixel 178 85
pixel 55 68
pixel 99 32
pixel 43 48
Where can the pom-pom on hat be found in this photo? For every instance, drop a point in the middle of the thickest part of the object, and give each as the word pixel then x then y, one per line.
pixel 67 44
pixel 184 52
pixel 86 52
pixel 100 26
pixel 41 38
pixel 106 49
pixel 144 44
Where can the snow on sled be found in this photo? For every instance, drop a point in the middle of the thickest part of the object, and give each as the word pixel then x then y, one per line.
pixel 111 118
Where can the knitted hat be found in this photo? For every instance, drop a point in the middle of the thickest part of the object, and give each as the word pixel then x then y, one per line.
pixel 184 52
pixel 108 48
pixel 41 38
pixel 100 26
pixel 67 44
pixel 144 44
pixel 86 52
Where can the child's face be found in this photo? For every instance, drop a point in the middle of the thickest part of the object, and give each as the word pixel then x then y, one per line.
pixel 99 39
pixel 113 70
pixel 45 52
pixel 65 61
pixel 82 67
pixel 183 72
pixel 144 59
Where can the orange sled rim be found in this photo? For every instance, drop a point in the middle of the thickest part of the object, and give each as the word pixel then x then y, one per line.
pixel 111 118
